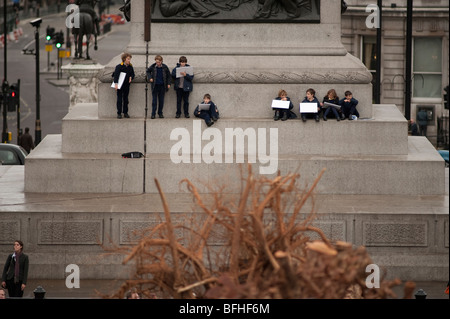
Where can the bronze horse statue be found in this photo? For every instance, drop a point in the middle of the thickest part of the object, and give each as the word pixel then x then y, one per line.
pixel 87 28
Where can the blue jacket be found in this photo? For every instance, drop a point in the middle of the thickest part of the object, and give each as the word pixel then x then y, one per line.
pixel 353 103
pixel 187 83
pixel 422 118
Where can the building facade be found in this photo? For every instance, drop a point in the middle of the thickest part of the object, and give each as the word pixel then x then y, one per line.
pixel 430 55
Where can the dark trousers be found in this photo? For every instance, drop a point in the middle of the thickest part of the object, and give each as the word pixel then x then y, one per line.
pixel 310 115
pixel 122 100
pixel 158 96
pixel 423 130
pixel 349 111
pixel 14 289
pixel 182 96
pixel 335 112
pixel 204 115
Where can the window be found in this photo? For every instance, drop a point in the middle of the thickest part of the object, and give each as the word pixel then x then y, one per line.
pixel 427 67
pixel 369 57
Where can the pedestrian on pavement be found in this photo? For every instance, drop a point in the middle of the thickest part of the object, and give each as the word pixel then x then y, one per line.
pixel 422 120
pixel 26 140
pixel 15 271
pixel 414 128
pixel 2 293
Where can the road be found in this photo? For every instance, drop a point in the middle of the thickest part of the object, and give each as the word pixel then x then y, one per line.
pixel 54 101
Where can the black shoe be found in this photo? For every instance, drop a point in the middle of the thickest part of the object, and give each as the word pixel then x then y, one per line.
pixel 177 116
pixel 153 117
pixel 342 117
pixel 325 119
pixel 338 118
pixel 317 119
pixel 303 119
pixel 350 118
pixel 119 116
pixel 187 116
pixel 161 116
pixel 126 115
pixel 276 117
pixel 215 119
pixel 284 118
pixel 210 123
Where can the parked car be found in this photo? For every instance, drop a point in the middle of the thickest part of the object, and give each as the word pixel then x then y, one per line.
pixel 12 154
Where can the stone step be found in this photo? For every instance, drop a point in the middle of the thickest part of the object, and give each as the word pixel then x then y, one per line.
pixel 420 172
pixel 384 134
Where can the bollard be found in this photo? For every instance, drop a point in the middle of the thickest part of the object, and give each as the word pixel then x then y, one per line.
pixel 39 293
pixel 420 294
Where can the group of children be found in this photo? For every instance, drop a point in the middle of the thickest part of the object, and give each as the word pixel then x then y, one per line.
pixel 160 78
pixel 340 108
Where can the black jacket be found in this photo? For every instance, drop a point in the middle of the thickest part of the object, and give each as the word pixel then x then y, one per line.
pixel 126 69
pixel 8 269
pixel 151 74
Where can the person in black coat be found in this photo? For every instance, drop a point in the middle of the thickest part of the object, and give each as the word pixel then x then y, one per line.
pixel 332 98
pixel 311 98
pixel 15 271
pixel 284 114
pixel 210 115
pixel 158 74
pixel 123 92
pixel 348 106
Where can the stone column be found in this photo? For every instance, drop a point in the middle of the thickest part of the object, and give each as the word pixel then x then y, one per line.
pixel 83 81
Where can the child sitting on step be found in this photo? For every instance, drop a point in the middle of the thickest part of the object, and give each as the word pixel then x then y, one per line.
pixel 284 114
pixel 210 114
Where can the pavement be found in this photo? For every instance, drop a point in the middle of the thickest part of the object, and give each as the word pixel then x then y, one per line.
pixel 95 289
pixel 13 198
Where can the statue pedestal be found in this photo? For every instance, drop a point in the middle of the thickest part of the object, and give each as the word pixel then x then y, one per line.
pixel 83 81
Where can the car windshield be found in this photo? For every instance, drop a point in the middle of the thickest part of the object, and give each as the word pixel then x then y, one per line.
pixel 8 157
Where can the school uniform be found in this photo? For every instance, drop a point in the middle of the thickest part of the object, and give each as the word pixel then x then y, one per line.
pixel 327 110
pixel 209 116
pixel 161 80
pixel 315 116
pixel 284 114
pixel 349 108
pixel 183 87
pixel 123 92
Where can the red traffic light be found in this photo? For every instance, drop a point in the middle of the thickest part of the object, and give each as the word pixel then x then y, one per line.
pixel 13 94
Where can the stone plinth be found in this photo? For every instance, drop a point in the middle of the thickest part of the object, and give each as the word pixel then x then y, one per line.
pixel 83 81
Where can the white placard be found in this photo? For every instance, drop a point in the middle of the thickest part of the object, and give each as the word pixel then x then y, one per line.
pixel 204 107
pixel 188 69
pixel 336 106
pixel 121 79
pixel 279 104
pixel 308 107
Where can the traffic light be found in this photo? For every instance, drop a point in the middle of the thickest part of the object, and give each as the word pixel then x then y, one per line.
pixel 446 97
pixel 50 33
pixel 14 97
pixel 59 39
